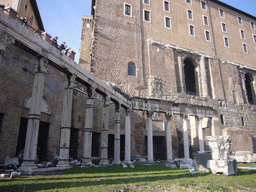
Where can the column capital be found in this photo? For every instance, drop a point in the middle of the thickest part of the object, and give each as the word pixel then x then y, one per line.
pixel 42 65
pixel 185 116
pixel 149 114
pixel 106 101
pixel 168 115
pixel 200 117
pixel 71 81
pixel 91 91
pixel 128 111
pixel 5 40
pixel 117 106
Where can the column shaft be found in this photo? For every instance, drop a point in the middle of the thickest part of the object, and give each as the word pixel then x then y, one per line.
pixel 185 137
pixel 128 137
pixel 30 151
pixel 117 136
pixel 104 133
pixel 200 135
pixel 66 124
pixel 168 138
pixel 150 137
pixel 87 148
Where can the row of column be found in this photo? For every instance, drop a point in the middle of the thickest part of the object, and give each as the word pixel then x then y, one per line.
pixel 169 136
pixel 30 150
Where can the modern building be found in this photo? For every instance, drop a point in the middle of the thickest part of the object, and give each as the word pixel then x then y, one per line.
pixel 189 60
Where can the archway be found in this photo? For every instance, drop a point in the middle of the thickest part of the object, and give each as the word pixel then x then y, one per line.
pixel 249 88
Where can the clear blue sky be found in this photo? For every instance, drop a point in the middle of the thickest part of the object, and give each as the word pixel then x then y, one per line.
pixel 63 18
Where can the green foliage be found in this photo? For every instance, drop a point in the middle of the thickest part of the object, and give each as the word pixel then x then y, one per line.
pixel 141 178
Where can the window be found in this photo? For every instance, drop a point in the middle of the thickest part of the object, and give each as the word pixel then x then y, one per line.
pixel 207 36
pixel 242 119
pixel 205 20
pixel 146 2
pixel 254 38
pixel 203 5
pixel 239 19
pixel 190 77
pixel 245 48
pixel 191 30
pixel 147 16
pixel 167 6
pixel 190 15
pixel 226 42
pixel 222 13
pixel 127 9
pixel 167 22
pixel 26 7
pixel 131 69
pixel 252 25
pixel 224 27
pixel 189 1
pixel 242 34
pixel 222 119
pixel 249 87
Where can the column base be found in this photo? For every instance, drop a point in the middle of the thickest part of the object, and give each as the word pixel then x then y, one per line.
pixel 150 161
pixel 169 161
pixel 27 167
pixel 129 162
pixel 104 162
pixel 116 163
pixel 63 163
pixel 87 162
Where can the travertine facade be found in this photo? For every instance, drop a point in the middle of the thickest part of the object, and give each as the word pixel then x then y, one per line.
pixel 194 59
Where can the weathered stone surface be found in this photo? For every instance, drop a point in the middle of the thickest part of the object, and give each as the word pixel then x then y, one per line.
pixel 239 136
pixel 220 149
pixel 245 157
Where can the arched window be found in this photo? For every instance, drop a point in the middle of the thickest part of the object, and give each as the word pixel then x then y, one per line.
pixel 190 77
pixel 249 88
pixel 131 69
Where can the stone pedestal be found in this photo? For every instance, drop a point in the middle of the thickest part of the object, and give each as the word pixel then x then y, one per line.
pixel 227 167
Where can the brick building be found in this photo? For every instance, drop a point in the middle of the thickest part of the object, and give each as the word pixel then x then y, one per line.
pixel 193 59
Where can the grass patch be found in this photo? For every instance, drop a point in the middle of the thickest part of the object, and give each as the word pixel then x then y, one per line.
pixel 142 178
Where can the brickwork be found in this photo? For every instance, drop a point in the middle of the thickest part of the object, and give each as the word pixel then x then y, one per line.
pixel 159 54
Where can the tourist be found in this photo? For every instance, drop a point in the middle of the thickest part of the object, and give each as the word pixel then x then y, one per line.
pixel 54 42
pixel 63 46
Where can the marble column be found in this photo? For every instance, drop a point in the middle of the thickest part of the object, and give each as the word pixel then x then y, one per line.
pixel 87 147
pixel 117 136
pixel 66 123
pixel 128 137
pixel 185 137
pixel 104 132
pixel 5 40
pixel 30 151
pixel 150 137
pixel 200 135
pixel 168 137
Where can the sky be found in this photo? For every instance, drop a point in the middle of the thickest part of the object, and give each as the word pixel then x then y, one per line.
pixel 63 18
